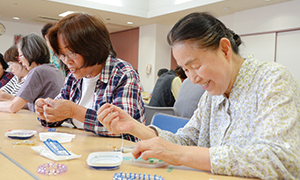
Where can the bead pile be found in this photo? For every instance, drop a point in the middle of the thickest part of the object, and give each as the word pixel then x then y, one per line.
pixel 51 129
pixel 52 169
pixel 25 142
pixel 135 176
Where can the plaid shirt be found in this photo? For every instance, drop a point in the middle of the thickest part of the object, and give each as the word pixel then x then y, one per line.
pixel 6 78
pixel 118 84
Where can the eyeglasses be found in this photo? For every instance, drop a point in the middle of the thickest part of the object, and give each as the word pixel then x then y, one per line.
pixel 69 54
pixel 19 57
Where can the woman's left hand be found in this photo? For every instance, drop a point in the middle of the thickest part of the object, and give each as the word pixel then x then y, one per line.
pixel 57 110
pixel 158 148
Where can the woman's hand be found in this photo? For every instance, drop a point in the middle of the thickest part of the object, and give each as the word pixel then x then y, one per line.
pixel 174 154
pixel 39 110
pixel 158 148
pixel 54 110
pixel 115 120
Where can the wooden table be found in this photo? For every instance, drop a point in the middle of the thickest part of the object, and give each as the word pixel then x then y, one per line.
pixel 25 161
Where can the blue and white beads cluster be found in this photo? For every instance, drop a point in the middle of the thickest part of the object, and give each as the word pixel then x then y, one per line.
pixel 135 176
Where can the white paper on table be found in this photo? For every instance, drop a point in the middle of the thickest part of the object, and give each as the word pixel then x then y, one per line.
pixel 46 152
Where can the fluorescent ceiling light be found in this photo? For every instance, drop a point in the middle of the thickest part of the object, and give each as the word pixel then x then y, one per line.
pixel 108 2
pixel 65 13
pixel 181 1
pixel 16 18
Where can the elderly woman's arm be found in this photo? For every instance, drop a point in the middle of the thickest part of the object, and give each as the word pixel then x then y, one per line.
pixel 4 96
pixel 12 106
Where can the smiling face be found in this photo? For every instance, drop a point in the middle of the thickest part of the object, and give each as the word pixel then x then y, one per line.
pixel 75 65
pixel 209 68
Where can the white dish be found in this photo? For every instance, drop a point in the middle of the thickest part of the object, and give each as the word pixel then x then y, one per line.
pixel 20 134
pixel 60 137
pixel 105 160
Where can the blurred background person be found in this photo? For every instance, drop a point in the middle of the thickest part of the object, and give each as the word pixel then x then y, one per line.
pixel 43 80
pixel 9 91
pixel 166 88
pixel 188 98
pixel 4 75
pixel 53 59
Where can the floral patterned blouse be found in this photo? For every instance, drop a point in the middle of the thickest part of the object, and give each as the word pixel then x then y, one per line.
pixel 253 133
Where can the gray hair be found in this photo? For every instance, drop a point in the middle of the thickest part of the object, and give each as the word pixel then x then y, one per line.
pixel 34 49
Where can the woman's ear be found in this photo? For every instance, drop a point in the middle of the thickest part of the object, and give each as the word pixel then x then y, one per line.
pixel 225 47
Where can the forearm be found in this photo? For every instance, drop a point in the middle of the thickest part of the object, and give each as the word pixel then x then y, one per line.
pixel 7 96
pixel 5 106
pixel 4 96
pixel 12 106
pixel 143 132
pixel 78 112
pixel 195 157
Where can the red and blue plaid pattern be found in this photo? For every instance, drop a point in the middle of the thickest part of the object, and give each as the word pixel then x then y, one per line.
pixel 118 84
pixel 6 78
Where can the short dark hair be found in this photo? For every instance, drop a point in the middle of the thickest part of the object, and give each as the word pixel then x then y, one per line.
pixel 46 27
pixel 205 30
pixel 180 72
pixel 3 63
pixel 84 34
pixel 162 71
pixel 34 49
pixel 11 55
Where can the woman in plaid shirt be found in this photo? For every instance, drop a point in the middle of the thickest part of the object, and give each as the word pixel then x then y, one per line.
pixel 96 77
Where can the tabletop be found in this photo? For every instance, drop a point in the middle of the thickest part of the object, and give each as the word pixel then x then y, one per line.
pixel 21 158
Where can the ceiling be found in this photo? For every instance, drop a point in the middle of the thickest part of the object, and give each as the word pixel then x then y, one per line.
pixel 140 12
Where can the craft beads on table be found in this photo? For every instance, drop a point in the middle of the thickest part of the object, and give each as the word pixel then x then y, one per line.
pixel 51 129
pixel 150 160
pixel 52 169
pixel 135 176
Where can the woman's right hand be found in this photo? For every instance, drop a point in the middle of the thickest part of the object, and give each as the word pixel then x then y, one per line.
pixel 115 120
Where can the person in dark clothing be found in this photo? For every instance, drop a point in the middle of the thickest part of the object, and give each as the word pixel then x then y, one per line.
pixel 162 71
pixel 166 90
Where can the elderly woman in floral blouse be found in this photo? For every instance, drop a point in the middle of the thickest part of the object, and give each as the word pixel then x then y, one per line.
pixel 247 122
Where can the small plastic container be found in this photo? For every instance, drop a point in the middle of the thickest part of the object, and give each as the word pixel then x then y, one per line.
pixel 20 134
pixel 105 160
pixel 60 137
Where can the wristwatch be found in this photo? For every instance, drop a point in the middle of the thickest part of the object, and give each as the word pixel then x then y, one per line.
pixel 2 29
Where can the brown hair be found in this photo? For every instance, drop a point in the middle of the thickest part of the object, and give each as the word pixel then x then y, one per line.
pixel 11 55
pixel 84 34
pixel 204 29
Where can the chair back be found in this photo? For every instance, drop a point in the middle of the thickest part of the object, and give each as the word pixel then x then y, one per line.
pixel 151 110
pixel 168 122
pixel 188 98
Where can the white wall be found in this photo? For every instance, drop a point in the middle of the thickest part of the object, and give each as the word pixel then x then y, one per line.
pixel 288 45
pixel 262 46
pixel 260 30
pixel 14 28
pixel 154 50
